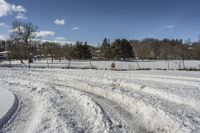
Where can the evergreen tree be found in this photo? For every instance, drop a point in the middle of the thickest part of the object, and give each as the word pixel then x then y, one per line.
pixel 81 51
pixel 121 48
pixel 106 49
pixel 86 51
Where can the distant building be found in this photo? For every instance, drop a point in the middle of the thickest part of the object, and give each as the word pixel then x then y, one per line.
pixel 2 46
pixel 3 55
pixel 97 55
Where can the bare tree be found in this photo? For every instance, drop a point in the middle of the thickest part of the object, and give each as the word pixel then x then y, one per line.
pixel 15 49
pixel 68 48
pixel 50 49
pixel 24 32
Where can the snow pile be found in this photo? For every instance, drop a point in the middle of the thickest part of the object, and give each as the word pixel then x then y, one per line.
pixel 8 105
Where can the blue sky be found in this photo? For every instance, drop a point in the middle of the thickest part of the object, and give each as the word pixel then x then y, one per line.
pixel 92 20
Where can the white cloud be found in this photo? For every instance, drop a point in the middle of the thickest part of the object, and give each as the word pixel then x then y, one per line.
pixel 21 16
pixel 59 21
pixel 44 34
pixel 2 24
pixel 7 8
pixel 75 28
pixel 62 42
pixel 4 8
pixel 55 41
pixel 11 30
pixel 16 29
pixel 170 26
pixel 2 37
pixel 60 38
pixel 18 8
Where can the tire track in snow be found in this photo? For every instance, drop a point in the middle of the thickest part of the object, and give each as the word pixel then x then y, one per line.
pixel 152 121
pixel 84 80
pixel 113 128
pixel 184 113
pixel 127 85
pixel 119 119
pixel 100 122
pixel 164 110
pixel 132 126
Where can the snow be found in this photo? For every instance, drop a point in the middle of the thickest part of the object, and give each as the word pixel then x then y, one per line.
pixel 120 65
pixel 103 101
pixel 7 105
pixel 6 102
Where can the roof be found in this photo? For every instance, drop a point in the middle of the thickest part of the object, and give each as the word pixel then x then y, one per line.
pixel 4 52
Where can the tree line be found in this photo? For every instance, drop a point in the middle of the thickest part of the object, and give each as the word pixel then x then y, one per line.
pixel 22 46
pixel 166 49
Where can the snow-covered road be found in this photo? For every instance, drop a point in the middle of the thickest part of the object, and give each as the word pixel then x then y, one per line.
pixel 98 101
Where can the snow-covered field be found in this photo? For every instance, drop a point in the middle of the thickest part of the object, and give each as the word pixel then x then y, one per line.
pixel 102 101
pixel 120 65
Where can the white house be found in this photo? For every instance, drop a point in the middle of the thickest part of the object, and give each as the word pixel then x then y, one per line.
pixel 4 54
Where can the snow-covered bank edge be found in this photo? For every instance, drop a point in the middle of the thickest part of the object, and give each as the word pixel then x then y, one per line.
pixel 95 68
pixel 10 114
pixel 190 65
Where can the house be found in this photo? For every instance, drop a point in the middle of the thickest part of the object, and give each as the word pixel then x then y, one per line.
pixel 2 46
pixel 96 55
pixel 3 55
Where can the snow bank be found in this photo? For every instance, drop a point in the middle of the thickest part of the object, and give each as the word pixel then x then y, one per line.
pixel 8 105
pixel 120 65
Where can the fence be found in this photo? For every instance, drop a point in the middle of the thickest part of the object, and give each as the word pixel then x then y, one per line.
pixel 119 65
